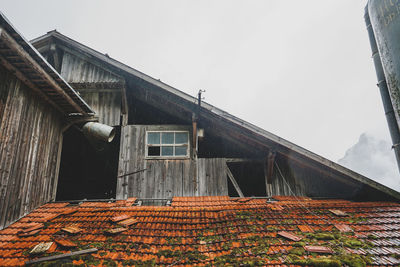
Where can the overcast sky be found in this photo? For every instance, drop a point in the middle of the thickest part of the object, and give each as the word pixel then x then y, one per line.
pixel 299 69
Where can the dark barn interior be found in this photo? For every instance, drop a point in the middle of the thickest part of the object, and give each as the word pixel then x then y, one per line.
pixel 88 168
pixel 250 178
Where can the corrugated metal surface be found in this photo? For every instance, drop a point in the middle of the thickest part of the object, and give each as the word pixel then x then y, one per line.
pixel 75 69
pixel 30 133
pixel 164 178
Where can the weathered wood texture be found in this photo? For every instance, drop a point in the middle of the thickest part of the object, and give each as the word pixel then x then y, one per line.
pixel 76 70
pixel 105 102
pixel 164 178
pixel 212 177
pixel 107 105
pixel 287 179
pixel 30 133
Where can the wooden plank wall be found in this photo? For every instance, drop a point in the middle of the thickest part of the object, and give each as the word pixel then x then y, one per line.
pixel 30 133
pixel 75 69
pixel 292 185
pixel 287 179
pixel 105 102
pixel 107 105
pixel 212 177
pixel 165 178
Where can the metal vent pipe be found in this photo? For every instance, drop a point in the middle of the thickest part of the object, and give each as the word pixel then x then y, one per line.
pixel 98 131
pixel 383 87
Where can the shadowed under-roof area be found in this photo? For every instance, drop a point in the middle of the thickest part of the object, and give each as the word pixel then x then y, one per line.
pixel 210 231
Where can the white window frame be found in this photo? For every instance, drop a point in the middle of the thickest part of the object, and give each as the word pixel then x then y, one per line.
pixel 173 145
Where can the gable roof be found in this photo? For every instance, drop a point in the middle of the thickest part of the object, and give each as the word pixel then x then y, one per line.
pixel 212 230
pixel 19 56
pixel 246 130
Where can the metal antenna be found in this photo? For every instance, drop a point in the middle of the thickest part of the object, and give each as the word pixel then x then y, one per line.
pixel 199 98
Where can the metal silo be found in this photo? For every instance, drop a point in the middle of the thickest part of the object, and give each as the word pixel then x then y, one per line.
pixel 383 24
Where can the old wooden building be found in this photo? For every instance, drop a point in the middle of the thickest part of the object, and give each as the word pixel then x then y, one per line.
pixel 167 143
pixel 169 149
pixel 172 144
pixel 36 104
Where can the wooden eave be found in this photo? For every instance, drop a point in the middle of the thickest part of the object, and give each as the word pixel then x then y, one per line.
pixel 256 135
pixel 21 58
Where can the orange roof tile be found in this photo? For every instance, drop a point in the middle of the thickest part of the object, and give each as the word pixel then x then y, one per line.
pixel 211 231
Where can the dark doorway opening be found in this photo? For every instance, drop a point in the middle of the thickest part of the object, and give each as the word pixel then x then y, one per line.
pixel 88 170
pixel 250 178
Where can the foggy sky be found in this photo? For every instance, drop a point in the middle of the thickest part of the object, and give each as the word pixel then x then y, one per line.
pixel 373 158
pixel 299 69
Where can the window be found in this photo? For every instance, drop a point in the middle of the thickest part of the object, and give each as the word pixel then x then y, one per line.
pixel 168 144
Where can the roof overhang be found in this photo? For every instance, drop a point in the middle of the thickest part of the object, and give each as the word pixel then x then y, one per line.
pixel 21 58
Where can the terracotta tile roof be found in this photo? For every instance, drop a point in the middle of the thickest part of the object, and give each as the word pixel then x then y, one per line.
pixel 212 231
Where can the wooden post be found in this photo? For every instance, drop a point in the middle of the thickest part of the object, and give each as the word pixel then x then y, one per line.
pixel 268 172
pixel 235 184
pixel 124 104
pixel 56 58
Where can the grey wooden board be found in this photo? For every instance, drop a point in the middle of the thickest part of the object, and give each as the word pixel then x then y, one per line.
pixel 61 256
pixel 77 69
pixel 107 105
pixel 165 178
pixel 212 177
pixel 30 133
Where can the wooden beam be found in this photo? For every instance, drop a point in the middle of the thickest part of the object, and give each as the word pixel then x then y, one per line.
pixel 244 160
pixel 270 166
pixel 43 48
pixel 124 104
pixel 194 133
pixel 268 172
pixel 28 83
pixel 56 58
pixel 82 90
pixel 62 256
pixel 235 184
pixel 116 86
pixel 10 42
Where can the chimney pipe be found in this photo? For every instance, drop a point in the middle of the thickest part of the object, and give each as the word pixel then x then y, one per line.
pixel 98 131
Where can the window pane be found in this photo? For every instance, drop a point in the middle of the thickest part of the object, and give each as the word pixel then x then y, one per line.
pixel 153 138
pixel 153 151
pixel 181 151
pixel 167 151
pixel 181 138
pixel 167 138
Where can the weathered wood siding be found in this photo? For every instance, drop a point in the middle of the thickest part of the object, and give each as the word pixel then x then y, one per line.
pixel 287 179
pixel 212 177
pixel 106 102
pixel 30 134
pixel 164 178
pixel 292 185
pixel 107 105
pixel 75 69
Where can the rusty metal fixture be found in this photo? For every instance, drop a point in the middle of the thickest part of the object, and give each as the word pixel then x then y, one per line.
pixel 383 26
pixel 98 131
